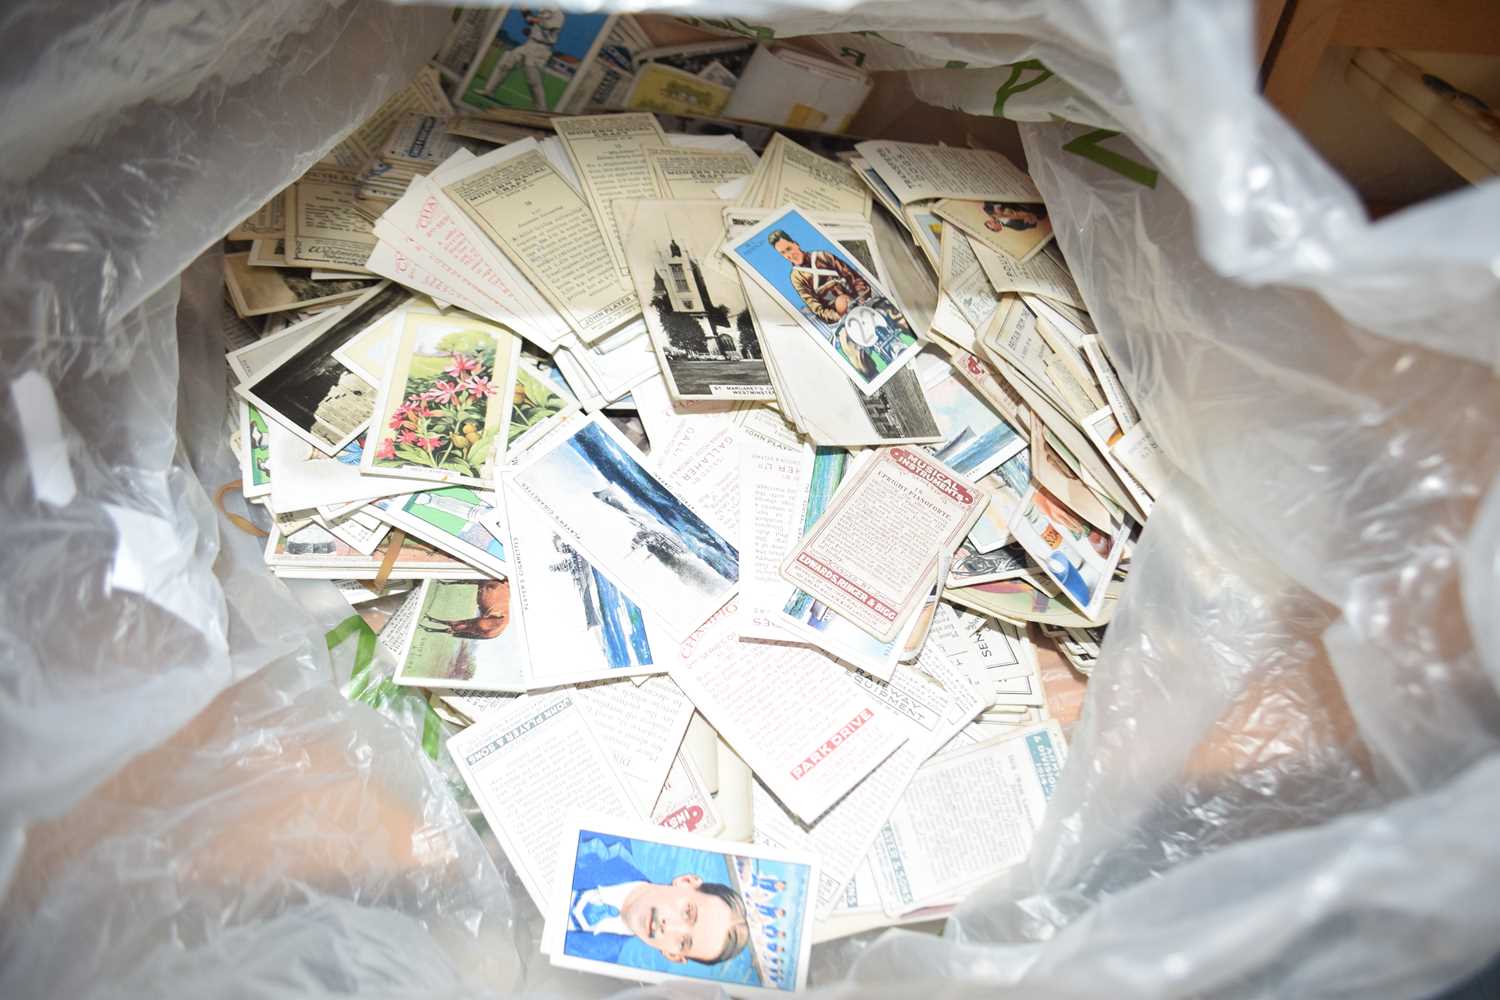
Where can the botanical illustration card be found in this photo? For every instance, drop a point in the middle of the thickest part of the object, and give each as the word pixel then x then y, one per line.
pixel 445 400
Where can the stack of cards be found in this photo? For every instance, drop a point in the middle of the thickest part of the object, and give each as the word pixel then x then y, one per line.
pixel 707 490
pixel 548 59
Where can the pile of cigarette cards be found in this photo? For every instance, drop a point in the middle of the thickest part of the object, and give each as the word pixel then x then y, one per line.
pixel 718 486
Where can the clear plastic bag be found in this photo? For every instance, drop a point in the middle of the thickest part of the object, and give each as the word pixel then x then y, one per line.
pixel 1286 778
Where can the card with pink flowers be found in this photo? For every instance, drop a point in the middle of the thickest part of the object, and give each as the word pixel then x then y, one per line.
pixel 445 401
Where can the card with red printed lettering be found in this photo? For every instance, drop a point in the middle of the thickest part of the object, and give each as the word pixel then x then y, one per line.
pixel 872 555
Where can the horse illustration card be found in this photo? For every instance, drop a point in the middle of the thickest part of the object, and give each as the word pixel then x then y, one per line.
pixel 445 401
pixel 831 295
pixel 462 635
pixel 648 541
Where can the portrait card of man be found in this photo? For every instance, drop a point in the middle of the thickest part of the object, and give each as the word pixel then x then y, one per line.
pixel 846 310
pixel 1017 229
pixel 640 902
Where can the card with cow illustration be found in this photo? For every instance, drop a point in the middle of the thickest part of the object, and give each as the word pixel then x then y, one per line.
pixel 462 635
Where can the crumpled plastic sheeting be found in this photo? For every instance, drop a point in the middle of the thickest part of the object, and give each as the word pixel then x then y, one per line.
pixel 124 637
pixel 1286 777
pixel 133 136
